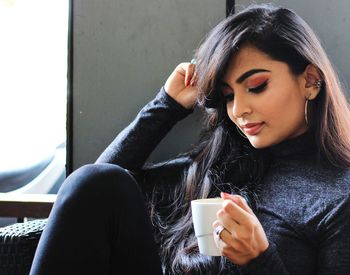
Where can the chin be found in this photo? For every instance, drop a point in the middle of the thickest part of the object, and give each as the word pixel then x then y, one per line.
pixel 260 142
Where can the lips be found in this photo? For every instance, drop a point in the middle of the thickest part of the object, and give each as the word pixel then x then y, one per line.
pixel 252 128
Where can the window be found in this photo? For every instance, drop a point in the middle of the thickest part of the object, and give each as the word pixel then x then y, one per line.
pixel 33 94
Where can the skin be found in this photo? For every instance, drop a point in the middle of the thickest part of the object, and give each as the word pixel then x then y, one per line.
pixel 243 238
pixel 278 107
pixel 180 87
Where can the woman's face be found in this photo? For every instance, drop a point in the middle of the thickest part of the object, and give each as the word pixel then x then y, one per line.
pixel 264 99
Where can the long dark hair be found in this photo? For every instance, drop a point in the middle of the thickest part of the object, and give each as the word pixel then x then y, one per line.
pixel 285 37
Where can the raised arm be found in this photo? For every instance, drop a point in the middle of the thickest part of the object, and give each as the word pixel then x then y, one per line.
pixel 131 148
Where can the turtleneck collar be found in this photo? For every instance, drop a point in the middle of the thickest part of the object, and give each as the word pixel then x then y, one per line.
pixel 298 147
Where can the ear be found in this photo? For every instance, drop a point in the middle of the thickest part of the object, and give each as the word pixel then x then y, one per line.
pixel 310 76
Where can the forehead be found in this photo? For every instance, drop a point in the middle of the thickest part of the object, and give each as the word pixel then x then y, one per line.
pixel 247 58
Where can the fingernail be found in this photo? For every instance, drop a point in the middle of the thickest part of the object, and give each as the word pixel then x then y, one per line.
pixel 224 194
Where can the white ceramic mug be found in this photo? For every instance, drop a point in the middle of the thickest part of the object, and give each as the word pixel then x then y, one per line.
pixel 203 215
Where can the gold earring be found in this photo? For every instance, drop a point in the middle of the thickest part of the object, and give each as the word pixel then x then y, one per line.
pixel 306 110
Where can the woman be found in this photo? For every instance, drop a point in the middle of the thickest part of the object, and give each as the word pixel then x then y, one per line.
pixel 275 146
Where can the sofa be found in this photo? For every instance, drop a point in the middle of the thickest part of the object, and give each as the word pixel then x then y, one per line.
pixel 18 241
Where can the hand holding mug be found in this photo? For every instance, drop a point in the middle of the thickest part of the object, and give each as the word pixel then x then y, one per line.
pixel 238 233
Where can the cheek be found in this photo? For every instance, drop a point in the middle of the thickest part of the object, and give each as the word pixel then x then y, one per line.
pixel 229 107
pixel 285 112
pixel 273 109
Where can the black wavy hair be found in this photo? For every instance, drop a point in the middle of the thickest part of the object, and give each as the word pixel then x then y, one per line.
pixel 224 161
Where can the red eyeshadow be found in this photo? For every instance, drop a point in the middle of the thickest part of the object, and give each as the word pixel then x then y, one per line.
pixel 256 81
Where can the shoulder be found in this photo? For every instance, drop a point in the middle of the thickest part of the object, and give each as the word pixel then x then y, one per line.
pixel 336 218
pixel 330 181
pixel 338 179
pixel 323 194
pixel 335 196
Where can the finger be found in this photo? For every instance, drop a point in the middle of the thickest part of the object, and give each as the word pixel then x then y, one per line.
pixel 238 214
pixel 181 69
pixel 239 200
pixel 194 77
pixel 226 244
pixel 216 223
pixel 189 73
pixel 226 220
pixel 216 233
pixel 243 204
pixel 229 238
pixel 220 229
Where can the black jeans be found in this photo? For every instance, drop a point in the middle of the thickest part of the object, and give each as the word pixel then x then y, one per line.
pixel 98 225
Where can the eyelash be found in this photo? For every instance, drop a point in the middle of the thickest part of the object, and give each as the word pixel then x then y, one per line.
pixel 255 90
pixel 259 88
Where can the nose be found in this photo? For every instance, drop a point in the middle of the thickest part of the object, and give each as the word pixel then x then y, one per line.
pixel 241 106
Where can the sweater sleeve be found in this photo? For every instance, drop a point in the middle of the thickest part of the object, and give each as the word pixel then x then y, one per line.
pixel 269 262
pixel 133 145
pixel 334 248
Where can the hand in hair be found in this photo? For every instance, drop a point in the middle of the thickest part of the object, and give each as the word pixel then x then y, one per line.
pixel 181 85
pixel 243 238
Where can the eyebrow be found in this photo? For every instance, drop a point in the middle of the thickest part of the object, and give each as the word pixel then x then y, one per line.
pixel 245 75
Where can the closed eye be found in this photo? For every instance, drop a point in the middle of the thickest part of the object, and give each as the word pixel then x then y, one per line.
pixel 259 88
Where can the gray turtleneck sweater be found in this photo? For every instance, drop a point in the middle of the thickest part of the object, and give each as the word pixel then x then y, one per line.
pixel 303 205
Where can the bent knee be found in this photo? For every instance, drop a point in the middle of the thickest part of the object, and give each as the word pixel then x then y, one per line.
pixel 100 179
